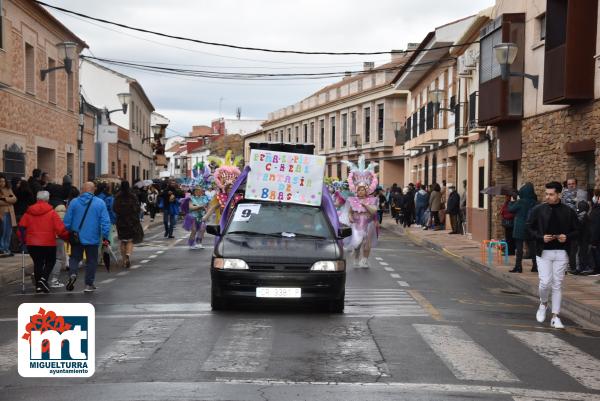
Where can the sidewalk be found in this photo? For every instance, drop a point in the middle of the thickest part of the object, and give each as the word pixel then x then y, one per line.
pixel 11 267
pixel 581 294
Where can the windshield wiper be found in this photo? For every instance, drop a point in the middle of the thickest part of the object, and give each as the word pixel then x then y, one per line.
pixel 253 233
pixel 300 235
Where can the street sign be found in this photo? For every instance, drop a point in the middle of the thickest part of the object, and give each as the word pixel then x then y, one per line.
pixel 108 133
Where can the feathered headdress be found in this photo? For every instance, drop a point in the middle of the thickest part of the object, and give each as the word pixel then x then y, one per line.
pixel 228 170
pixel 360 176
pixel 202 175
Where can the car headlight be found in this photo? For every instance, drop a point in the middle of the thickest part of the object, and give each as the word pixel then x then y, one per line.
pixel 234 264
pixel 329 265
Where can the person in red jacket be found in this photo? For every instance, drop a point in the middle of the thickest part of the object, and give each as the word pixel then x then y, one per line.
pixel 41 225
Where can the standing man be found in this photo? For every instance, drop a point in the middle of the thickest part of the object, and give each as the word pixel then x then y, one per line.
pixel 170 207
pixel 34 181
pixel 88 217
pixel 554 227
pixel 453 209
pixel 571 197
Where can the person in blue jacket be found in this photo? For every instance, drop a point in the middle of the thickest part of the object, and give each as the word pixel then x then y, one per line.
pixel 95 228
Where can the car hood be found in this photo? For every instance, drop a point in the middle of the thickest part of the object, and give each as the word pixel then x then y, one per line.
pixel 258 249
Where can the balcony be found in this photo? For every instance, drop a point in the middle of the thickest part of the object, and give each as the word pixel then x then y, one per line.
pixel 430 137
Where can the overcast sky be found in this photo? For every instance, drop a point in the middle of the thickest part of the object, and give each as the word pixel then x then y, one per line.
pixel 310 25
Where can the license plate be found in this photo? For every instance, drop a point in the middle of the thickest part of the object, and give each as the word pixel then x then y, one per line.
pixel 269 292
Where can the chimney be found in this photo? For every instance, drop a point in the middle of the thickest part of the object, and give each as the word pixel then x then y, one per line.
pixel 397 55
pixel 347 74
pixel 368 65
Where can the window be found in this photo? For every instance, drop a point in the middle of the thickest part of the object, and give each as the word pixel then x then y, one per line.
pixel 91 171
pixel 14 161
pixel 481 203
pixel 297 129
pixel 29 69
pixel 305 133
pixel 380 117
pixel 541 26
pixel 488 66
pixel 270 138
pixel 344 131
pixel 367 124
pixel 70 94
pixel 339 170
pixel 353 127
pixel 289 135
pixel 332 128
pixel 312 132
pixel 112 167
pixel 51 82
pixel 321 134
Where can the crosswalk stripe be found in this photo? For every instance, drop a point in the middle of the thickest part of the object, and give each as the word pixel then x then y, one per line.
pixel 403 284
pixel 388 269
pixel 381 302
pixel 244 347
pixel 579 365
pixel 8 356
pixel 464 357
pixel 138 343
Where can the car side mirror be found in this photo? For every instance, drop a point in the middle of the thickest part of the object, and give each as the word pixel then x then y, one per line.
pixel 344 232
pixel 213 229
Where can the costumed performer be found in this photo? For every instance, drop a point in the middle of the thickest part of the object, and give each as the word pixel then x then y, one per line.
pixel 225 176
pixel 196 206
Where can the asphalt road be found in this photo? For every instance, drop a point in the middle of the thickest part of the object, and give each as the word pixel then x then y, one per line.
pixel 417 326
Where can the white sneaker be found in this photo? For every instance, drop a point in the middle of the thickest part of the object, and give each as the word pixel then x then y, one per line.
pixel 556 323
pixel 356 263
pixel 540 316
pixel 56 284
pixel 364 263
pixel 199 246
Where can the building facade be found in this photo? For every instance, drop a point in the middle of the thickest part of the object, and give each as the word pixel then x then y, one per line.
pixel 362 114
pixel 39 119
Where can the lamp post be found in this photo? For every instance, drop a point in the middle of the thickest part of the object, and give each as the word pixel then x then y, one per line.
pixel 124 99
pixel 436 96
pixel 505 55
pixel 156 130
pixel 67 51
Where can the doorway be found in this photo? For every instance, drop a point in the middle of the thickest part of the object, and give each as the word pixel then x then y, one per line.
pixel 46 161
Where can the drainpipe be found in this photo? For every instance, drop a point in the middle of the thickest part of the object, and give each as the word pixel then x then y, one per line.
pixel 80 136
pixel 490 168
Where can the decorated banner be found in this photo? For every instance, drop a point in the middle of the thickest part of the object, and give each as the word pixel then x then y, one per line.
pixel 285 177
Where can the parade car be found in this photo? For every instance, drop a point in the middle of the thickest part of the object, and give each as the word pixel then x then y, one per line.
pixel 278 252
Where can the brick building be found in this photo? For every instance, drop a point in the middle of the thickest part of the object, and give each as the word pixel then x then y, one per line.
pixel 39 119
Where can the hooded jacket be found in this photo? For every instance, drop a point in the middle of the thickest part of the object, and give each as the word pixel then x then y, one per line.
pixel 42 225
pixel 520 208
pixel 97 222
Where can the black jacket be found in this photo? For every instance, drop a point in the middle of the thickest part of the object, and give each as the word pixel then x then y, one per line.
pixel 537 224
pixel 453 204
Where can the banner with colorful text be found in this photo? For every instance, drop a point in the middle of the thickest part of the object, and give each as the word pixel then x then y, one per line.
pixel 285 177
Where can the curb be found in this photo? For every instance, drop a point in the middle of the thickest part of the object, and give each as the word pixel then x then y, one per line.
pixel 572 309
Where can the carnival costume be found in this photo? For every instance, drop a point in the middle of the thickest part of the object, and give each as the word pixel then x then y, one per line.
pixel 225 176
pixel 195 207
pixel 360 213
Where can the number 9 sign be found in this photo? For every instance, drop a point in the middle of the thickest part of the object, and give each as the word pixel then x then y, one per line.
pixel 245 211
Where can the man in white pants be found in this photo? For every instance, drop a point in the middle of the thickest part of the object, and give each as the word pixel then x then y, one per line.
pixel 554 227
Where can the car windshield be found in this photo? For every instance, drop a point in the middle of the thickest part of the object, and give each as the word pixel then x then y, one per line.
pixel 275 219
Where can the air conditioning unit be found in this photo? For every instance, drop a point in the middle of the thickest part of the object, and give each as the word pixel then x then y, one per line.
pixel 463 70
pixel 471 58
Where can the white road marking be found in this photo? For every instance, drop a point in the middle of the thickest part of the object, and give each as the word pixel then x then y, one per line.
pixel 123 273
pixel 159 252
pixel 145 261
pixel 464 357
pixel 137 344
pixel 384 263
pixel 579 365
pixel 8 356
pixel 395 275
pixel 152 256
pixel 108 280
pixel 381 302
pixel 378 258
pixel 403 284
pixel 135 266
pixel 389 269
pixel 243 347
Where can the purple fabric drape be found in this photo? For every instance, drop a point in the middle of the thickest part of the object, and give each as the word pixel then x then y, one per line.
pixel 329 209
pixel 234 188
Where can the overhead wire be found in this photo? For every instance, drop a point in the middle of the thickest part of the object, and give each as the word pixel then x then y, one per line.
pixel 231 46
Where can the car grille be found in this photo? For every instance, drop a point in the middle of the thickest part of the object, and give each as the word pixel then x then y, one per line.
pixel 279 266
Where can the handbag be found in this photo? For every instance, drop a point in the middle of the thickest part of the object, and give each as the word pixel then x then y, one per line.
pixel 74 235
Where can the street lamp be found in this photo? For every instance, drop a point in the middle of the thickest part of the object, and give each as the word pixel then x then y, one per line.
pixel 124 99
pixel 436 96
pixel 156 130
pixel 67 51
pixel 505 55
